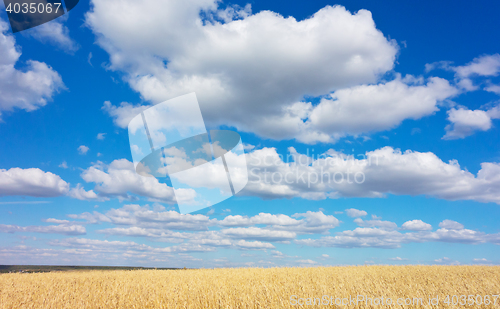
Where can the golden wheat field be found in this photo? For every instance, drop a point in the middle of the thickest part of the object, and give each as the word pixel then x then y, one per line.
pixel 328 287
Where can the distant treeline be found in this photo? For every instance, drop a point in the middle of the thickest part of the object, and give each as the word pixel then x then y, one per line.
pixel 49 268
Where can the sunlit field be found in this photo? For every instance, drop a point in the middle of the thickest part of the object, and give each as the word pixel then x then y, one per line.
pixel 318 287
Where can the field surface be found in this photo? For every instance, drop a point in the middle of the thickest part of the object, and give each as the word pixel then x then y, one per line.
pixel 318 287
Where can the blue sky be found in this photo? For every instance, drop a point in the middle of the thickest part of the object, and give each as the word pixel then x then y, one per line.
pixel 415 85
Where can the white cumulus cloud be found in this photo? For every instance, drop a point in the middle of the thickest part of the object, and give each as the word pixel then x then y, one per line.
pixel 354 213
pixel 82 149
pixel 378 173
pixel 31 182
pixel 451 225
pixel 416 225
pixel 333 53
pixel 466 122
pixel 119 179
pixel 56 33
pixel 27 88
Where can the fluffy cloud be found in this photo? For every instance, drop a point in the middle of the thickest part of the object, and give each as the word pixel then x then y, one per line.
pixel 447 261
pixel 156 222
pixel 31 182
pixel 354 213
pixel 189 233
pixel 483 66
pixel 262 218
pixel 65 229
pixel 80 193
pixel 369 108
pixel 416 225
pixel 466 122
pixel 206 241
pixel 481 260
pixel 307 262
pixel 459 235
pixel 52 220
pixel 124 113
pixel 451 225
pixel 487 65
pixel 358 238
pixel 364 237
pixel 112 246
pixel 95 217
pixel 119 179
pixel 309 222
pixel 375 174
pixel 29 88
pixel 160 225
pixel 315 222
pixel 255 233
pixel 344 49
pixel 385 225
pixel 145 217
pixel 55 33
pixel 493 88
pixel 334 53
pixel 397 259
pixel 238 232
pixel 35 182
pixel 253 245
pixel 97 252
pixel 83 149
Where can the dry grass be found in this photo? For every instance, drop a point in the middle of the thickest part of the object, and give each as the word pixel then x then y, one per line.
pixel 244 287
